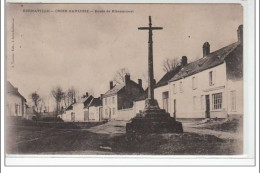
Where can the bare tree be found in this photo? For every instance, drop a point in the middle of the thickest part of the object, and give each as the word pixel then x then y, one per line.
pixel 58 95
pixel 119 77
pixel 170 64
pixel 71 95
pixel 36 100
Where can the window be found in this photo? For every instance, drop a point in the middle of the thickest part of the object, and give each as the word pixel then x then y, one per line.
pixel 194 83
pixel 174 89
pixel 217 101
pixel 113 100
pixel 16 109
pixel 106 111
pixel 105 101
pixel 233 100
pixel 194 103
pixel 165 96
pixel 202 102
pixel 114 111
pixel 212 78
pixel 181 89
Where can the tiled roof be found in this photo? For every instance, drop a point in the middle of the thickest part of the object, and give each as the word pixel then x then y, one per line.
pixel 11 89
pixel 96 102
pixel 165 79
pixel 207 62
pixel 114 90
pixel 119 87
pixel 85 101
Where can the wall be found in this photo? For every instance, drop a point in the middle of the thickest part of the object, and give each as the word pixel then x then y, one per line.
pixel 139 106
pixel 94 113
pixel 158 94
pixel 109 105
pixel 78 109
pixel 11 100
pixel 184 100
pixel 125 114
pixel 236 86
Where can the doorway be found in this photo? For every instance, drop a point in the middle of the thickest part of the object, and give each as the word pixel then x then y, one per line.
pixel 86 115
pixel 174 108
pixel 207 106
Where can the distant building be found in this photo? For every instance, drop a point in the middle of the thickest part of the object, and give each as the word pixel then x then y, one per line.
pixel 15 102
pixel 210 87
pixel 118 101
pixel 95 109
pixel 86 109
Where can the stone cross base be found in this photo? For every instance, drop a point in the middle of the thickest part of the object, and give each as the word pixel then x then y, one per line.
pixel 152 120
pixel 151 104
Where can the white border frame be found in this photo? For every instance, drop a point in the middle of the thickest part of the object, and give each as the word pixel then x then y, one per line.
pixel 248 159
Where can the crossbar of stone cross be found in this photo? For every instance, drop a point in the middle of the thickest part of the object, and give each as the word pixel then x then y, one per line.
pixel 150 58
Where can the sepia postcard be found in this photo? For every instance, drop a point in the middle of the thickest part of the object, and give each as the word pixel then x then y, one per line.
pixel 111 81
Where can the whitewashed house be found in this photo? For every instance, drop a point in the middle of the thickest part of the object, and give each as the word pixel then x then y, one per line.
pixel 118 101
pixel 95 109
pixel 15 102
pixel 211 87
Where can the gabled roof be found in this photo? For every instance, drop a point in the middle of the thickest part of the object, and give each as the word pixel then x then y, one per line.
pixel 165 79
pixel 95 102
pixel 114 90
pixel 12 90
pixel 120 87
pixel 211 60
pixel 85 101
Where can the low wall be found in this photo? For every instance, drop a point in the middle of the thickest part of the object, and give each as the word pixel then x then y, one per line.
pixel 125 114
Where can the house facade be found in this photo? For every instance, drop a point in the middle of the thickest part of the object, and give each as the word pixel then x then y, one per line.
pixel 210 87
pixel 78 111
pixel 15 102
pixel 118 101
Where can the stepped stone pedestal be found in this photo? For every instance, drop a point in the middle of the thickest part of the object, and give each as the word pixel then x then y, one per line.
pixel 152 120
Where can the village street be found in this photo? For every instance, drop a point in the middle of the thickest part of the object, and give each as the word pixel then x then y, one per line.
pixel 109 138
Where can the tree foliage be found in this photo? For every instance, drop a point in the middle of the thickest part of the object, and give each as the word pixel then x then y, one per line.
pixel 119 77
pixel 170 64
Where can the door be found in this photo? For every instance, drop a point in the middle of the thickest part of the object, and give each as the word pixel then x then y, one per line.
pixel 174 108
pixel 86 116
pixel 109 113
pixel 207 106
pixel 72 116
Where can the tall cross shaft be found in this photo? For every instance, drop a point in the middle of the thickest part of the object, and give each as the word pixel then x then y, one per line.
pixel 150 58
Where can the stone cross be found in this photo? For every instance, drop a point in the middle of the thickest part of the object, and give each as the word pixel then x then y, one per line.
pixel 150 58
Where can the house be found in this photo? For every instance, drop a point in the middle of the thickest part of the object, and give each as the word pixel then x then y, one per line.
pixel 118 101
pixel 15 102
pixel 95 109
pixel 160 87
pixel 79 110
pixel 210 87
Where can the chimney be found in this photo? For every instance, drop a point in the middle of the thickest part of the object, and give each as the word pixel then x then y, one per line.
pixel 206 49
pixel 140 82
pixel 240 34
pixel 86 94
pixel 184 61
pixel 127 79
pixel 111 84
pixel 74 100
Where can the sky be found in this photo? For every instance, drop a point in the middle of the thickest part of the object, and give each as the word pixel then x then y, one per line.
pixel 85 50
